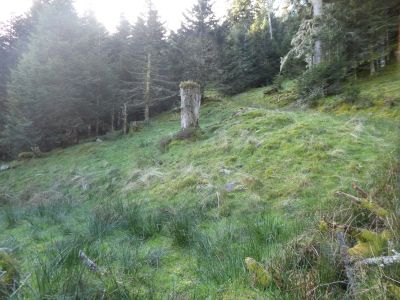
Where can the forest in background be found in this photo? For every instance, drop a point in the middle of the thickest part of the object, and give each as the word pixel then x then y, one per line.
pixel 287 187
pixel 65 78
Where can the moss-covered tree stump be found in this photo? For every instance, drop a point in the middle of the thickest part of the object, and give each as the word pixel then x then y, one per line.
pixel 190 104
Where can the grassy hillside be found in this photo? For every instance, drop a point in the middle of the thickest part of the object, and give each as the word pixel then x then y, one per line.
pixel 177 222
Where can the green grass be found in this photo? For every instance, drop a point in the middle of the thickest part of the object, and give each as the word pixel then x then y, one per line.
pixel 160 224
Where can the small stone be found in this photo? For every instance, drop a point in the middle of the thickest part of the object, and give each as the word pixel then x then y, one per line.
pixel 4 168
pixel 98 140
pixel 230 187
pixel 225 171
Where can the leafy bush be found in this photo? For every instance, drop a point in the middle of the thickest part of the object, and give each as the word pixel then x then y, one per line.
pixel 320 81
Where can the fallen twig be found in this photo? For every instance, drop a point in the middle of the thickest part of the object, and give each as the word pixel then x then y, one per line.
pixel 87 261
pixel 6 250
pixel 382 260
pixel 23 282
pixel 352 198
pixel 360 191
pixel 347 266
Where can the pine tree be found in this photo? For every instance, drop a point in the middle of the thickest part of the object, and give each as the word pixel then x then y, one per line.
pixel 150 83
pixel 198 37
pixel 60 84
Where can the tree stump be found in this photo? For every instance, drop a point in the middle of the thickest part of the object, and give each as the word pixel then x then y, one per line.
pixel 190 104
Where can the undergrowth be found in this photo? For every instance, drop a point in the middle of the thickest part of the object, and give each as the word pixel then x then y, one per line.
pixel 178 220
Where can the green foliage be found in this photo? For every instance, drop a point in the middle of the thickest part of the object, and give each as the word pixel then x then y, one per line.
pixel 320 81
pixel 9 274
pixel 48 69
pixel 182 224
pixel 189 85
pixel 351 94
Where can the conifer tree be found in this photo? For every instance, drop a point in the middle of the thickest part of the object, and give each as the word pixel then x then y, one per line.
pixel 199 44
pixel 61 83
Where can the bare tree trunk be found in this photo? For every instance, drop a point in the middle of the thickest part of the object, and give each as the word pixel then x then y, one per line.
pixel 270 9
pixel 398 45
pixel 147 91
pixel 89 130
pixel 125 118
pixel 97 117
pixel 317 12
pixel 112 119
pixel 372 69
pixel 190 104
pixel 97 126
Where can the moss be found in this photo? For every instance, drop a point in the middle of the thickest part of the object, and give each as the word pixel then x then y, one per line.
pixel 11 277
pixel 297 159
pixel 260 276
pixel 394 291
pixel 370 244
pixel 189 85
pixel 323 226
pixel 374 208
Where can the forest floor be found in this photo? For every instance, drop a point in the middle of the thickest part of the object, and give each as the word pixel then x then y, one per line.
pixel 177 222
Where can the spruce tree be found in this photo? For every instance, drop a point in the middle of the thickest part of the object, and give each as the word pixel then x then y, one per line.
pixel 199 44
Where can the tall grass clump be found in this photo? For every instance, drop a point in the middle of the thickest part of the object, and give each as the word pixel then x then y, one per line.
pixel 142 221
pixel 104 218
pixel 11 214
pixel 182 225
pixel 52 205
pixel 221 252
pixel 59 274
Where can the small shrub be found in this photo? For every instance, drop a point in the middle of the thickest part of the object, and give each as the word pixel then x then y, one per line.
pixel 320 81
pixel 351 94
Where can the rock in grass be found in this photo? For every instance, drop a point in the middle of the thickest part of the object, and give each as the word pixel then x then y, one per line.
pixel 234 187
pixel 260 275
pixel 230 187
pixel 4 168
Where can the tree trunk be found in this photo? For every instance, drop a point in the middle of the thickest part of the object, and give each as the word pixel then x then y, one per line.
pixel 97 117
pixel 147 91
pixel 190 104
pixel 317 12
pixel 89 130
pixel 112 119
pixel 270 9
pixel 125 118
pixel 271 33
pixel 97 126
pixel 372 69
pixel 398 45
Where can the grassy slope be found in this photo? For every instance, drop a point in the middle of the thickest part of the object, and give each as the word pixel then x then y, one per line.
pixel 286 166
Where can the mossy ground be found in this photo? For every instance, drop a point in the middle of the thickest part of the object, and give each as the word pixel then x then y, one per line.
pixel 162 223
